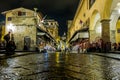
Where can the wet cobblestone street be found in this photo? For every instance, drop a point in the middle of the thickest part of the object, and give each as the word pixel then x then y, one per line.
pixel 58 66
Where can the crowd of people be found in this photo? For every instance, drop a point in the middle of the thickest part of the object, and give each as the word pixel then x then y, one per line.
pixel 8 44
pixel 85 46
pixel 81 46
pixel 116 47
pixel 44 47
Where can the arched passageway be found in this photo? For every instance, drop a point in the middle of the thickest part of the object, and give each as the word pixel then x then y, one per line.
pixel 115 22
pixel 95 26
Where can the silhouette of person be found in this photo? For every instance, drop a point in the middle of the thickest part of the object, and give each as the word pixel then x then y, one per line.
pixel 7 38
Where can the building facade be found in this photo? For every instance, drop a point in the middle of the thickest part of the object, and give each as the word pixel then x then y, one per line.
pixel 52 27
pixel 21 22
pixel 102 18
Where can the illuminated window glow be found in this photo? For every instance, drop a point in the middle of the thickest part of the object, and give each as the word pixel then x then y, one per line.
pixel 10 27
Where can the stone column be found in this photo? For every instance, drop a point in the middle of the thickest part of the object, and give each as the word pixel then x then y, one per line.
pixel 112 36
pixel 106 35
pixel 92 35
pixel 105 30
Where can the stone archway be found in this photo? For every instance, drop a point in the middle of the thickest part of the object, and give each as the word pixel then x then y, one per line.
pixel 117 31
pixel 95 26
pixel 115 22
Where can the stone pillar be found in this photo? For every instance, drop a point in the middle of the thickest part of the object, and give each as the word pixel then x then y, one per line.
pixel 112 36
pixel 92 35
pixel 105 30
pixel 106 35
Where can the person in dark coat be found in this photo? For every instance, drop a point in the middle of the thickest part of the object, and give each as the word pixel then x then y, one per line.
pixel 11 46
pixel 7 38
pixel 118 46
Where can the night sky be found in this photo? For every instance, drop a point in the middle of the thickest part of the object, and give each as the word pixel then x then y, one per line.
pixel 60 10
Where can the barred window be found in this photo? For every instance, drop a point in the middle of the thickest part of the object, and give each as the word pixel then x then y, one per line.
pixel 9 18
pixel 20 13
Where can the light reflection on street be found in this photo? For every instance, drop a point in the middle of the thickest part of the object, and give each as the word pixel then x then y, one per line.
pixel 46 60
pixel 59 66
pixel 57 57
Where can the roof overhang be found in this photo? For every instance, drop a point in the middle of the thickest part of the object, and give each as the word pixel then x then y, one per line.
pixel 78 31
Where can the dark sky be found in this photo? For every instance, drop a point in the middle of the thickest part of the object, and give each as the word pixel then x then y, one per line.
pixel 60 10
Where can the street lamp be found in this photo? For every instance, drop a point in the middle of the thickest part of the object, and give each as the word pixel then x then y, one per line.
pixel 35 9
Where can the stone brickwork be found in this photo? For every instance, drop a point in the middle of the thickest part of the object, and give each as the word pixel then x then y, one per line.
pixel 22 24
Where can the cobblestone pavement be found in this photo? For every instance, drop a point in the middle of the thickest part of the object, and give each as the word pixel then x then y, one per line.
pixel 58 66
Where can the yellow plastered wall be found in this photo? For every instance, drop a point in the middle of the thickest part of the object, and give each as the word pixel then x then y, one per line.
pixel 3 33
pixel 118 34
pixel 102 7
pixel 80 15
pixel 19 29
pixel 7 22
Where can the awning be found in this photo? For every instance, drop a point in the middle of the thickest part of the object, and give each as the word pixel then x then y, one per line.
pixel 75 37
pixel 44 32
pixel 83 35
pixel 40 33
pixel 78 31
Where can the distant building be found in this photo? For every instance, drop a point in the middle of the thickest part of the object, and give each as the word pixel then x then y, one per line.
pixel 21 22
pixel 69 22
pixel 64 37
pixel 52 27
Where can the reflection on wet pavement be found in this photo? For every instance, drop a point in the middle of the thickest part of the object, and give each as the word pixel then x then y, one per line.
pixel 59 66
